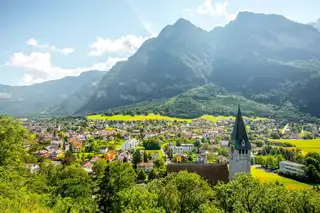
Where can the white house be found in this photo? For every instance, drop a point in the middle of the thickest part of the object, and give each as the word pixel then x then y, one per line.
pixel 103 150
pixel 288 167
pixel 181 149
pixel 130 144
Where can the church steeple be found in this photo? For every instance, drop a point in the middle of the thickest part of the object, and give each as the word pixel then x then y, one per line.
pixel 239 137
pixel 239 148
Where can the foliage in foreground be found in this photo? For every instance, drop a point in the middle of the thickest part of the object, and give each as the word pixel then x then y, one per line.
pixel 113 188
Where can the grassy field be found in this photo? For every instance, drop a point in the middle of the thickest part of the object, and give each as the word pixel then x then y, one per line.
pixel 159 117
pixel 264 176
pixel 155 151
pixel 305 145
pixel 134 118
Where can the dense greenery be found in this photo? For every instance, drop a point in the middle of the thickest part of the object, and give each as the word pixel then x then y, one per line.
pixel 113 187
pixel 210 99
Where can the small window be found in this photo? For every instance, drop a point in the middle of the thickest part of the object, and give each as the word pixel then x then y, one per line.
pixel 246 151
pixel 239 151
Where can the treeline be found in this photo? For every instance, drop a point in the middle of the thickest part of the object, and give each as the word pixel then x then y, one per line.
pixel 178 107
pixel 113 187
pixel 270 156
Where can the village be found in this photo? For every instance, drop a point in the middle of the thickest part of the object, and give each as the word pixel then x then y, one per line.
pixel 150 145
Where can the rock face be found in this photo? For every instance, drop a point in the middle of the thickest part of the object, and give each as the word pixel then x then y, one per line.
pixel 265 58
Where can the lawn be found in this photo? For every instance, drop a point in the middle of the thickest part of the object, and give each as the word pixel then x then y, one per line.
pixel 160 117
pixel 155 151
pixel 134 118
pixel 264 176
pixel 305 145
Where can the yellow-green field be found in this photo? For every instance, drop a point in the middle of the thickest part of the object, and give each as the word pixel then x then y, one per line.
pixel 264 176
pixel 305 145
pixel 159 117
pixel 134 118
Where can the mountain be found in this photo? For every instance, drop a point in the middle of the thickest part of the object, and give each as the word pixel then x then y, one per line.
pixel 45 97
pixel 267 59
pixel 316 24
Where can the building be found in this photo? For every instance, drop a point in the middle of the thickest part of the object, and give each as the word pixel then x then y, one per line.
pixel 202 157
pixel 130 144
pixel 212 172
pixel 240 152
pixel 291 168
pixel 147 167
pixel 239 148
pixel 181 149
pixel 103 150
pixel 75 145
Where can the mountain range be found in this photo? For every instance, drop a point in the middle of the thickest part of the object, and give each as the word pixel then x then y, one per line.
pixel 265 61
pixel 57 96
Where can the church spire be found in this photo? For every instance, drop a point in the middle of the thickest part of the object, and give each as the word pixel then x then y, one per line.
pixel 239 137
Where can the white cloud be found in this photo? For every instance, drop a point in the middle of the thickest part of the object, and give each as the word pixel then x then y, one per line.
pixel 47 47
pixel 124 45
pixel 40 68
pixel 217 9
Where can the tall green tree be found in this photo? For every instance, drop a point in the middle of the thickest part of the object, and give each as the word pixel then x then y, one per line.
pixel 11 139
pixel 117 176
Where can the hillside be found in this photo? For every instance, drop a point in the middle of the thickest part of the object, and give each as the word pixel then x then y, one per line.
pixel 212 100
pixel 45 97
pixel 267 59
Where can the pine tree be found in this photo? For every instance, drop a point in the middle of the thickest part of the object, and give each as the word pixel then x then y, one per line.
pixel 145 157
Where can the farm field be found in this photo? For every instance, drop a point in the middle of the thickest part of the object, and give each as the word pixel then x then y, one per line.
pixel 264 176
pixel 160 117
pixel 134 118
pixel 305 145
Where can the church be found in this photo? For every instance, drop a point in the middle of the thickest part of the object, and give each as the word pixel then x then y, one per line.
pixel 239 158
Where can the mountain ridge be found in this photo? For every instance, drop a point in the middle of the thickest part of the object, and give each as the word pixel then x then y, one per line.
pixel 264 58
pixel 253 57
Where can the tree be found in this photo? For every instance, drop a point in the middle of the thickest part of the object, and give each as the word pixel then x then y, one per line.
pixel 99 167
pixel 311 161
pixel 69 158
pixel 314 155
pixel 141 176
pixel 244 193
pixel 152 175
pixel 11 139
pixel 224 152
pixel 138 199
pixel 136 157
pixel 197 143
pixel 158 163
pixel 145 157
pixel 312 173
pixel 117 176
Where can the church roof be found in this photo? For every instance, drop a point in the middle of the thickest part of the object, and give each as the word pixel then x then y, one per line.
pixel 239 137
pixel 212 172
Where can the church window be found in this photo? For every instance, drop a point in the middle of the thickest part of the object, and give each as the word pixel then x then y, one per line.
pixel 246 151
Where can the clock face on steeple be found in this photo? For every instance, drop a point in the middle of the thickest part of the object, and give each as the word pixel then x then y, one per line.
pixel 243 143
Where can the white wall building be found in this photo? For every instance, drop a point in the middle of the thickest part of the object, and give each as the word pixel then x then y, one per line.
pixel 130 144
pixel 181 149
pixel 288 167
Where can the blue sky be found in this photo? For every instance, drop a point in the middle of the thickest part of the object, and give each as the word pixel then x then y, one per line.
pixel 44 39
